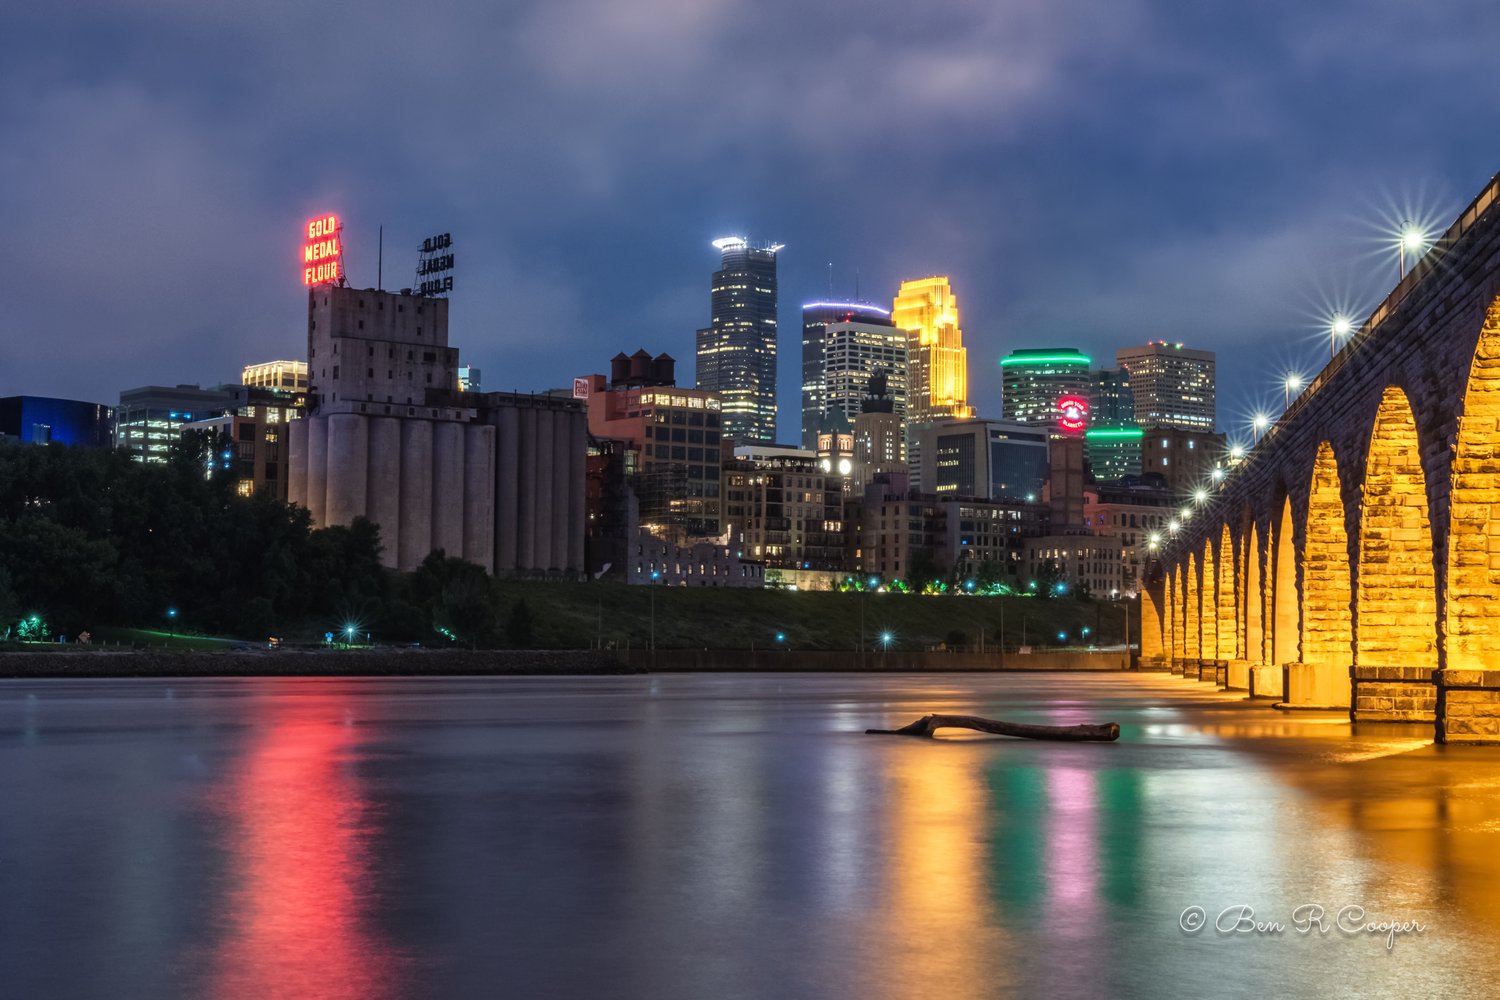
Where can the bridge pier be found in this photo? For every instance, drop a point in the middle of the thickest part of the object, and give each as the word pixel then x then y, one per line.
pixel 1316 685
pixel 1237 677
pixel 1401 694
pixel 1268 681
pixel 1468 706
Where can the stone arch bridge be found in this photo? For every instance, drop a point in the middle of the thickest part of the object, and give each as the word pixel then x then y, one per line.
pixel 1352 559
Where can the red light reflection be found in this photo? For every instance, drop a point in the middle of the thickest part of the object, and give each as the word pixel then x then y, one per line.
pixel 299 913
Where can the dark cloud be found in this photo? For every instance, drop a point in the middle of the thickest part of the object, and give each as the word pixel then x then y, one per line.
pixel 1089 173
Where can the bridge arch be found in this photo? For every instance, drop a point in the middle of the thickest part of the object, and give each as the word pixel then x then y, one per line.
pixel 1180 647
pixel 1193 618
pixel 1472 621
pixel 1226 611
pixel 1209 616
pixel 1327 624
pixel 1283 574
pixel 1396 604
pixel 1254 599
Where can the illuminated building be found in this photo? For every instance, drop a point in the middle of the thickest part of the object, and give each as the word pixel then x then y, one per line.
pixel 791 514
pixel 736 352
pixel 41 420
pixel 836 445
pixel 468 379
pixel 150 419
pixel 937 363
pixel 496 479
pixel 864 339
pixel 256 422
pixel 1033 381
pixel 290 376
pixel 1173 386
pixel 986 459
pixel 676 435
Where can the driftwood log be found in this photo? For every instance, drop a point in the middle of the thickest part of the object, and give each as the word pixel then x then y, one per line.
pixel 929 724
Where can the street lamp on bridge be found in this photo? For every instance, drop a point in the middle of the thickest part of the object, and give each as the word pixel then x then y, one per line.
pixel 1259 423
pixel 1291 383
pixel 1412 239
pixel 1338 327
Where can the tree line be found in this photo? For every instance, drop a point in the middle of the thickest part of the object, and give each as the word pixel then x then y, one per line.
pixel 92 537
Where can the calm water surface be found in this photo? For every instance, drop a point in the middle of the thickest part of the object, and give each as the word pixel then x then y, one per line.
pixel 723 836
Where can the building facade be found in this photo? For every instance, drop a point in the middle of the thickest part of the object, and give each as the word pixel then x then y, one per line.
pixel 855 353
pixel 736 352
pixel 1137 515
pixel 677 433
pixel 1171 385
pixel 43 420
pixel 987 459
pixel 256 422
pixel 150 419
pixel 817 317
pixel 1185 459
pixel 789 513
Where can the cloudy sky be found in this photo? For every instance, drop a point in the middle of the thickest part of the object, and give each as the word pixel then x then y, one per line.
pixel 1091 173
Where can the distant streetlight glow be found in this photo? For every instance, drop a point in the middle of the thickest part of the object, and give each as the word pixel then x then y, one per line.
pixel 1218 474
pixel 1200 494
pixel 1237 451
pixel 1260 422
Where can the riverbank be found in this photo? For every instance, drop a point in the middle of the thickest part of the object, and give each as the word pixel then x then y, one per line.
pixel 477 663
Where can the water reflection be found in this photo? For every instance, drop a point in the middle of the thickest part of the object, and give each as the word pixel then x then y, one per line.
pixel 726 837
pixel 299 834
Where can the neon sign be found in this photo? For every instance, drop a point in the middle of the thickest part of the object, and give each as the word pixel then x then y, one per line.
pixel 1072 414
pixel 323 251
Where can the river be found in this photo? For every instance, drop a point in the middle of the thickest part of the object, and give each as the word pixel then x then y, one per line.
pixel 728 836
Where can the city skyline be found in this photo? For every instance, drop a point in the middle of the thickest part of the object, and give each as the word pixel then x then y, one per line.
pixel 1072 181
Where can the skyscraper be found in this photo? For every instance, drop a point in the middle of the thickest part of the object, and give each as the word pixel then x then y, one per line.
pixel 817 317
pixel 1173 385
pixel 937 363
pixel 736 352
pixel 1034 381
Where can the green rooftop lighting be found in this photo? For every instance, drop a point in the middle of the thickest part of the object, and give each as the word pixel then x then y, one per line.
pixel 1074 358
pixel 1114 434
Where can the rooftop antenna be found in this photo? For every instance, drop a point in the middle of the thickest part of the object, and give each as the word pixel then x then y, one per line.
pixel 830 281
pixel 856 284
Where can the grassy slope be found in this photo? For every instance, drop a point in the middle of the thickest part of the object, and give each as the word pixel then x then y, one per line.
pixel 568 615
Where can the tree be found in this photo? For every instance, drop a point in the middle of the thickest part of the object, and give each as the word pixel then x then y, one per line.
pixel 518 625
